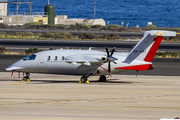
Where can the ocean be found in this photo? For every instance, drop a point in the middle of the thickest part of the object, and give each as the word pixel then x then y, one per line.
pixel 162 13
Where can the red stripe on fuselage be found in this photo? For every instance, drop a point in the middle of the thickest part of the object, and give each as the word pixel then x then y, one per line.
pixel 149 57
pixel 104 69
pixel 137 67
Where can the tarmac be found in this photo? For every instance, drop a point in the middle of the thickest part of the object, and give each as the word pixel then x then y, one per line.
pixel 60 97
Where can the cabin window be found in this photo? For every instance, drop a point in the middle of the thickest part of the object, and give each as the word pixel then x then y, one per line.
pixel 55 59
pixel 30 57
pixel 63 58
pixel 49 57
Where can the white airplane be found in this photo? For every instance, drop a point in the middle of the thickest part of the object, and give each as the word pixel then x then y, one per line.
pixel 90 62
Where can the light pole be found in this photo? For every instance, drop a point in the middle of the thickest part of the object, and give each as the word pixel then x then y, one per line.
pixel 94 10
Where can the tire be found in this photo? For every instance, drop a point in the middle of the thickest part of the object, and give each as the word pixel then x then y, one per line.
pixel 25 78
pixel 83 79
pixel 102 78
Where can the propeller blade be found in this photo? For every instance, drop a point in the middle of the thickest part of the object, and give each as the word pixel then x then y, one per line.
pixel 107 51
pixel 112 51
pixel 110 59
pixel 109 67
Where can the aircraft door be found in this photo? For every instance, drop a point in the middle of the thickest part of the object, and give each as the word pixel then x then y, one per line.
pixel 43 64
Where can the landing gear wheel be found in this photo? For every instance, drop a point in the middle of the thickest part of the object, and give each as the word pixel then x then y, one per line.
pixel 83 79
pixel 102 78
pixel 26 78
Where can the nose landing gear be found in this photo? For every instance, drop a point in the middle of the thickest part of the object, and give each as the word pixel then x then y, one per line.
pixel 26 78
pixel 84 79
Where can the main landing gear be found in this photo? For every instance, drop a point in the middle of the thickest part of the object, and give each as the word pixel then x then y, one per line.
pixel 84 79
pixel 102 78
pixel 26 78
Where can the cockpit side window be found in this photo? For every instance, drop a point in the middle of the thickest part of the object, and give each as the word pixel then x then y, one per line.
pixel 30 57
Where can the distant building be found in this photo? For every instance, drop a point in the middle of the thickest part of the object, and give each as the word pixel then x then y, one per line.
pixel 20 18
pixel 150 23
pixel 3 8
pixel 62 19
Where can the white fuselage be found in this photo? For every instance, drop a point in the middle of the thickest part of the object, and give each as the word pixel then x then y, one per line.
pixel 53 62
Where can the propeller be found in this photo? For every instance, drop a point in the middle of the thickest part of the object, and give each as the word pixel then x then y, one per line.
pixel 110 59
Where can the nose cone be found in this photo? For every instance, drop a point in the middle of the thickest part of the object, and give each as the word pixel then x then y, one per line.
pixel 14 67
pixel 11 68
pixel 111 59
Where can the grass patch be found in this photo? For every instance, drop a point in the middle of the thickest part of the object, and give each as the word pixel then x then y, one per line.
pixel 110 36
pixel 33 23
pixel 3 50
pixel 167 54
pixel 32 50
pixel 60 35
pixel 113 27
pixel 83 27
pixel 31 35
pixel 152 27
pixel 78 27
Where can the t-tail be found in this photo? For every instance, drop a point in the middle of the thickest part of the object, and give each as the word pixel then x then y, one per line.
pixel 142 54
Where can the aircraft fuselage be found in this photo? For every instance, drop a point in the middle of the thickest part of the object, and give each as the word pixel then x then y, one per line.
pixel 54 62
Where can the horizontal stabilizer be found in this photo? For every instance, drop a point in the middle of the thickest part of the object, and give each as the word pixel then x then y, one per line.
pixel 160 33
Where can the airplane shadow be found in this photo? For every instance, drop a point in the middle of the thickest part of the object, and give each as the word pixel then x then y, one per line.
pixel 9 80
pixel 65 81
pixel 91 81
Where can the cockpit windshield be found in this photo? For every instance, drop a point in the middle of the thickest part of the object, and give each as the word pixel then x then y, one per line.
pixel 30 57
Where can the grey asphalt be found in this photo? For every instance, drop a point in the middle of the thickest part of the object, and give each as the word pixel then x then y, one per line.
pixel 162 66
pixel 22 44
pixel 60 97
pixel 77 33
